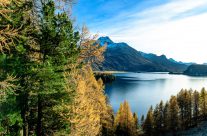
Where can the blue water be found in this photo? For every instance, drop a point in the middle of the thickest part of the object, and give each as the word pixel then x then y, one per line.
pixel 142 90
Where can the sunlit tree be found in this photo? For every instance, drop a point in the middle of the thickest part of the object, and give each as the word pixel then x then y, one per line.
pixel 173 111
pixel 203 103
pixel 89 110
pixel 124 122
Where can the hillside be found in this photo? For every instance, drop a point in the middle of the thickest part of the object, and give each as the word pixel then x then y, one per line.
pixel 196 70
pixel 169 64
pixel 122 57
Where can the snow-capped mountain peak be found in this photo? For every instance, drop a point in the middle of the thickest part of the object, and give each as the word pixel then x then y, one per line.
pixel 105 40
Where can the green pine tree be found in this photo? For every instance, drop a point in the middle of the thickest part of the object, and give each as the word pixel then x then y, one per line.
pixel 142 121
pixel 196 111
pixel 58 52
pixel 39 59
pixel 158 118
pixel 17 43
pixel 166 117
pixel 148 124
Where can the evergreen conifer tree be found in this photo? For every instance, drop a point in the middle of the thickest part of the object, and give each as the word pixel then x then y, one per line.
pixel 158 118
pixel 142 121
pixel 38 58
pixel 203 103
pixel 166 117
pixel 174 119
pixel 17 42
pixel 148 124
pixel 124 122
pixel 196 111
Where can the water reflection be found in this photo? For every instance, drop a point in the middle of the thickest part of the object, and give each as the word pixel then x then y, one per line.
pixel 142 90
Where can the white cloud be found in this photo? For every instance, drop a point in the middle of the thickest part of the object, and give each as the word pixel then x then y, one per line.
pixel 182 39
pixel 163 30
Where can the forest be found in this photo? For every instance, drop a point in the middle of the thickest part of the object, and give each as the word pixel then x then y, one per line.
pixel 181 112
pixel 48 87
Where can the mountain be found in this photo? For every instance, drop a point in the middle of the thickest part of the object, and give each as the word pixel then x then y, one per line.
pixel 180 62
pixel 196 70
pixel 170 64
pixel 122 57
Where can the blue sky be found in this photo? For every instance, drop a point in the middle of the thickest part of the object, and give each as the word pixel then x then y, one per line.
pixel 176 28
pixel 104 12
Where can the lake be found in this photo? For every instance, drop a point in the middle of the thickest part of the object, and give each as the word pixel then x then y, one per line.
pixel 142 90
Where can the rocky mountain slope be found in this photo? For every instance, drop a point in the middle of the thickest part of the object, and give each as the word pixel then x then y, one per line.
pixel 122 57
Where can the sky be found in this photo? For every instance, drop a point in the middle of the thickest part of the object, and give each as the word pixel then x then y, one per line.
pixel 176 28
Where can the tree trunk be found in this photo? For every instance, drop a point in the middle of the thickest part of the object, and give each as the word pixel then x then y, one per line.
pixel 25 126
pixel 39 118
pixel 25 112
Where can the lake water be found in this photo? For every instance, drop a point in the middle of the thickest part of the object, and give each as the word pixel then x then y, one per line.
pixel 142 90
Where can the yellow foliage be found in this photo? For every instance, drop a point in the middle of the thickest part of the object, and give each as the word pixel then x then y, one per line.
pixel 8 33
pixel 89 105
pixel 89 112
pixel 91 51
pixel 4 2
pixel 124 115
pixel 124 119
pixel 6 86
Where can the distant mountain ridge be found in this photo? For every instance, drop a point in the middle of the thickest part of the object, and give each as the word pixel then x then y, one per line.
pixel 170 64
pixel 180 62
pixel 122 57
